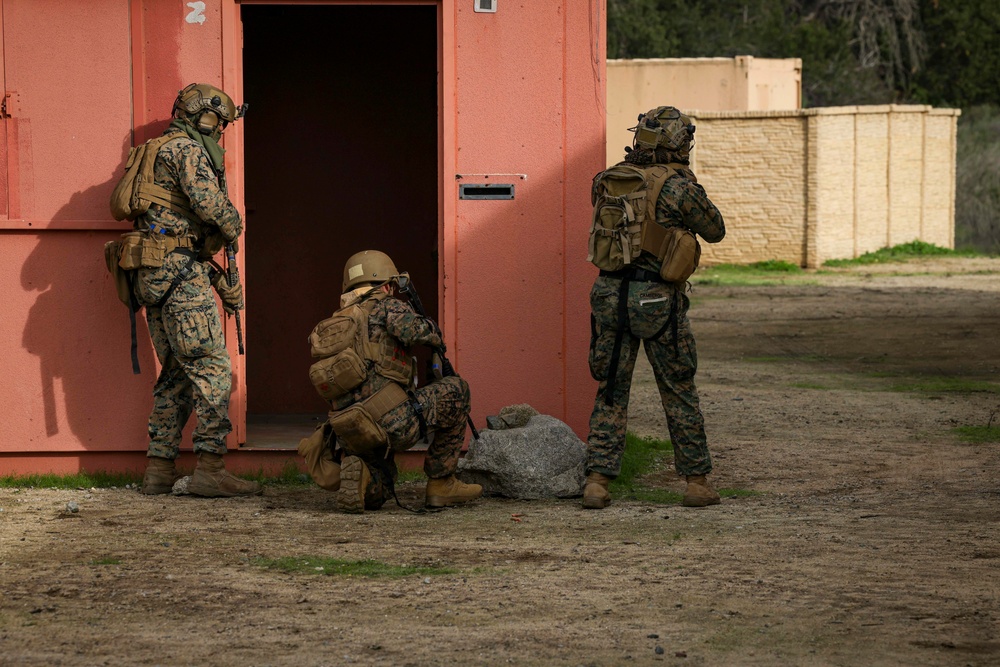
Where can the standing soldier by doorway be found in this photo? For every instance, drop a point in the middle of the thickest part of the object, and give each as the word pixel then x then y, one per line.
pixel 647 211
pixel 182 219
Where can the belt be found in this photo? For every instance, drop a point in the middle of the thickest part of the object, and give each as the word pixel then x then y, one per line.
pixel 636 274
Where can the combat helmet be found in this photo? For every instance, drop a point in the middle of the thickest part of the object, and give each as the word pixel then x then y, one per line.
pixel 663 127
pixel 208 108
pixel 368 266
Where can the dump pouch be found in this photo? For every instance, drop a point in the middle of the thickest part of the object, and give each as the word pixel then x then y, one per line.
pixel 112 257
pixel 356 431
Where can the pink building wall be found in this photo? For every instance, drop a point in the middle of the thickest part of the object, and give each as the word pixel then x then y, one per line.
pixel 521 101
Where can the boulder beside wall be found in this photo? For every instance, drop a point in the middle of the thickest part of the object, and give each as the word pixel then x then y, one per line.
pixel 543 459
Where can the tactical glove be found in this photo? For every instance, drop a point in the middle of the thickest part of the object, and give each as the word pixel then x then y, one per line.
pixel 230 230
pixel 232 297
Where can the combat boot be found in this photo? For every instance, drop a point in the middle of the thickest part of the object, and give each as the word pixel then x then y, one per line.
pixel 160 476
pixel 448 491
pixel 211 480
pixel 595 491
pixel 354 480
pixel 699 492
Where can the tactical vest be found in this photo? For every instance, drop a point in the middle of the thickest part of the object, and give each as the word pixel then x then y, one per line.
pixel 624 223
pixel 342 344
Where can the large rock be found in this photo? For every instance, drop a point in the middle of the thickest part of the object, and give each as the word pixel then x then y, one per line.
pixel 543 459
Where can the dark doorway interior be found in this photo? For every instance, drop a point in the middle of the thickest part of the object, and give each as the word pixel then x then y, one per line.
pixel 341 155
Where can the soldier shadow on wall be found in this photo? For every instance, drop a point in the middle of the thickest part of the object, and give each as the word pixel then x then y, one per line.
pixel 79 329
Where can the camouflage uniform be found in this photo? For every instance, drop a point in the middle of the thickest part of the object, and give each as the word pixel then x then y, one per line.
pixel 657 315
pixel 186 330
pixel 444 404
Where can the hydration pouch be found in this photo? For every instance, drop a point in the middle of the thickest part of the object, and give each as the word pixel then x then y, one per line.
pixel 356 431
pixel 335 376
pixel 679 254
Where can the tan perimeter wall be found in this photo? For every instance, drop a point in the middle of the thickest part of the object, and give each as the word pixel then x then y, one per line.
pixel 810 185
pixel 743 83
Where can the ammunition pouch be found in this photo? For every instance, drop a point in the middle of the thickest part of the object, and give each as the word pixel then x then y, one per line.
pixel 357 427
pixel 317 450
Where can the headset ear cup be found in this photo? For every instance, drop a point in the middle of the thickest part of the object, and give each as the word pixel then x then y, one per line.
pixel 207 122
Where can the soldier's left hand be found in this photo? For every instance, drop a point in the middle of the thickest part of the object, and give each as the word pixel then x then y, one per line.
pixel 232 297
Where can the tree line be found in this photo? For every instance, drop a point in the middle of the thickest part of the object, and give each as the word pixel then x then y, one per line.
pixel 945 53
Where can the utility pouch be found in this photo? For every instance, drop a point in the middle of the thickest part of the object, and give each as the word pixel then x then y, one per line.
pixel 356 431
pixel 679 254
pixel 130 257
pixel 112 256
pixel 335 333
pixel 153 252
pixel 335 376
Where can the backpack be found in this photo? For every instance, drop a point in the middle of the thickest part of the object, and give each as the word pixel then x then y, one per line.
pixel 136 190
pixel 342 344
pixel 624 223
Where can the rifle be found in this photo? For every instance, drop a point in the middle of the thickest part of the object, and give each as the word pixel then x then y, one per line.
pixel 233 275
pixel 407 289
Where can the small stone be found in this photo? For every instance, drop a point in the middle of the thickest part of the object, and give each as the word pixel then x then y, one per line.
pixel 658 650
pixel 652 636
pixel 181 486
pixel 427 580
pixel 681 654
pixel 72 507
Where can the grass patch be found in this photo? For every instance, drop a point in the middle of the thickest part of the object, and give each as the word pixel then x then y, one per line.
pixel 946 385
pixel 770 272
pixel 411 476
pixel 979 433
pixel 290 475
pixel 346 568
pixel 643 456
pixel 901 253
pixel 110 560
pixel 82 480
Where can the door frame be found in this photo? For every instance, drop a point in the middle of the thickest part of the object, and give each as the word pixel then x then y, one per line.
pixel 232 82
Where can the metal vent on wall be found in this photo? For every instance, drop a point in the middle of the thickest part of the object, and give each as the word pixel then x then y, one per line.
pixel 486 191
pixel 489 6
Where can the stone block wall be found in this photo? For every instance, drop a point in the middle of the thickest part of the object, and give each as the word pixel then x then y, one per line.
pixel 810 185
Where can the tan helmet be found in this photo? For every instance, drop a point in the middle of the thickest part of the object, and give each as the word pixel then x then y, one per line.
pixel 368 266
pixel 663 127
pixel 208 108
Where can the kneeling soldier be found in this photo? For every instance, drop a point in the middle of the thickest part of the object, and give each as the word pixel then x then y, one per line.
pixel 366 372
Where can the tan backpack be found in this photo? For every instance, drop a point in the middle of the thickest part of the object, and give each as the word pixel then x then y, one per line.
pixel 624 198
pixel 136 189
pixel 341 342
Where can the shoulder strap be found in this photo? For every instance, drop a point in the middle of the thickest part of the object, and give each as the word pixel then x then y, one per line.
pixel 653 233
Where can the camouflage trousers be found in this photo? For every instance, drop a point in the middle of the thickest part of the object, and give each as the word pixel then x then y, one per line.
pixel 195 374
pixel 445 405
pixel 652 310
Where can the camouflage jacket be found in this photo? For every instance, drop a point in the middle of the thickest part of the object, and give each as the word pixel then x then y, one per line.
pixel 684 203
pixel 183 166
pixel 396 319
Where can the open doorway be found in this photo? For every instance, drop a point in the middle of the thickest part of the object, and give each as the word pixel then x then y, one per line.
pixel 341 155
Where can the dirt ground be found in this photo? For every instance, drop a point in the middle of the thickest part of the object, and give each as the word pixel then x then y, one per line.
pixel 872 540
